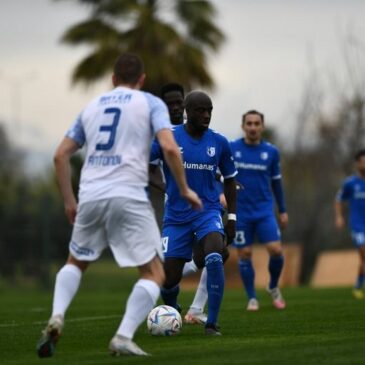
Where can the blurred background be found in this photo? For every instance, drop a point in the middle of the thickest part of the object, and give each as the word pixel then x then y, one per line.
pixel 300 63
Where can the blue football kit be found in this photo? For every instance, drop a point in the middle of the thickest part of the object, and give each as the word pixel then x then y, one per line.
pixel 201 159
pixel 353 191
pixel 258 169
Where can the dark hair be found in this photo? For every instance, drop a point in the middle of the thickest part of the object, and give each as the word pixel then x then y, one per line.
pixel 359 154
pixel 171 87
pixel 253 111
pixel 128 68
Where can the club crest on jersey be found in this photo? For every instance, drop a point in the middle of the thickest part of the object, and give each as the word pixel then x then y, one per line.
pixel 238 154
pixel 264 155
pixel 211 151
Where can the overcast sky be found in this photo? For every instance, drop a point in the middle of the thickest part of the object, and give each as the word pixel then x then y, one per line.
pixel 263 64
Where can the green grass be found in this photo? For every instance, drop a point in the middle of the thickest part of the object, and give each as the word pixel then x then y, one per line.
pixel 318 327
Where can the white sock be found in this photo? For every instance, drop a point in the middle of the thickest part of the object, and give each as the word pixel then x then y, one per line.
pixel 140 302
pixel 201 295
pixel 189 268
pixel 67 282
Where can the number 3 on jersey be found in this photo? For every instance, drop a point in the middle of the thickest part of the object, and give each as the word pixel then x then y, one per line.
pixel 112 129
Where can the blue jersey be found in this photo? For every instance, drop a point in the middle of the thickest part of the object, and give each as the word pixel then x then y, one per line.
pixel 257 166
pixel 201 158
pixel 353 190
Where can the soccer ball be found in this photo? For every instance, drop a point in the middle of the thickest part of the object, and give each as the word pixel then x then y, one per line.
pixel 164 321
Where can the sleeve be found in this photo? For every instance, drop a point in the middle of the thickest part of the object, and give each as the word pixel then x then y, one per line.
pixel 226 162
pixel 277 188
pixel 345 192
pixel 156 153
pixel 275 166
pixel 76 131
pixel 159 115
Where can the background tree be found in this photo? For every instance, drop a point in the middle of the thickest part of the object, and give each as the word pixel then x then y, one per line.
pixel 322 155
pixel 173 37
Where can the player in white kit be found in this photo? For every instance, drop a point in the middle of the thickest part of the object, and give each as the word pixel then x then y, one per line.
pixel 113 209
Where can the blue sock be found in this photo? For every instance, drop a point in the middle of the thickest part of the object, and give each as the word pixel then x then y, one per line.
pixel 215 285
pixel 276 264
pixel 169 296
pixel 360 281
pixel 247 273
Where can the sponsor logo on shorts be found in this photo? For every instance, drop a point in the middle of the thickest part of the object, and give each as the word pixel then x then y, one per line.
pixel 81 250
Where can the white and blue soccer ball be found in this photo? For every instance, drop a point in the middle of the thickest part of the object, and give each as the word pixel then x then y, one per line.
pixel 164 321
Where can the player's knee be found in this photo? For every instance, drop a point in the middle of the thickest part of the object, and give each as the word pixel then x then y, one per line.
pixel 244 253
pixel 275 250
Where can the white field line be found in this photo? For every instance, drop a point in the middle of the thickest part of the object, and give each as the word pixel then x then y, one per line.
pixel 83 319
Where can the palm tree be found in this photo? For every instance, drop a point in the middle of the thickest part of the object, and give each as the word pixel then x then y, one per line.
pixel 173 37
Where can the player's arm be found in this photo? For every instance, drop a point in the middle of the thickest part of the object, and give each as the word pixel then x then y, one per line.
pixel 339 216
pixel 278 191
pixel 339 205
pixel 230 195
pixel 155 177
pixel 219 177
pixel 63 173
pixel 172 157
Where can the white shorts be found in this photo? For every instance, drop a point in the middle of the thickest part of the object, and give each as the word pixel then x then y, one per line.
pixel 127 226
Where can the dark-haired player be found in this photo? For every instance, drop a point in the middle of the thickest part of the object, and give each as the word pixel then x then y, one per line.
pixel 258 166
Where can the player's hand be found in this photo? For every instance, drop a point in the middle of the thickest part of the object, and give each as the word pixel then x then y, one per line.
pixel 193 198
pixel 283 220
pixel 230 230
pixel 339 222
pixel 70 210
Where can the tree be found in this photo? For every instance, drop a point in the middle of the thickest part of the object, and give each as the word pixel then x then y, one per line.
pixel 321 156
pixel 174 38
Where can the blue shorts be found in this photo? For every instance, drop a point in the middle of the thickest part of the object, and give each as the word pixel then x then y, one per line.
pixel 178 238
pixel 266 229
pixel 358 237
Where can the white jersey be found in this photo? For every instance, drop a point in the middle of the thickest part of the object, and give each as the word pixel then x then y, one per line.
pixel 117 128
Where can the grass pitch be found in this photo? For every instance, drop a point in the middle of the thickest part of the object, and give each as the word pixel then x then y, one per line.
pixel 318 327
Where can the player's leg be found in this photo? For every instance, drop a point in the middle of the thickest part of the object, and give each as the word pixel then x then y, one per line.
pixel 134 239
pixel 87 243
pixel 243 243
pixel 66 286
pixel 269 234
pixel 276 263
pixel 140 302
pixel 170 290
pixel 360 280
pixel 195 314
pixel 177 248
pixel 213 248
pixel 247 273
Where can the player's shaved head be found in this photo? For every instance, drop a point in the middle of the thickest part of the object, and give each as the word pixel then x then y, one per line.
pixel 195 98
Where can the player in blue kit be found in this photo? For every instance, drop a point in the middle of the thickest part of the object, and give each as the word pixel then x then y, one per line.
pixel 353 192
pixel 203 151
pixel 258 166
